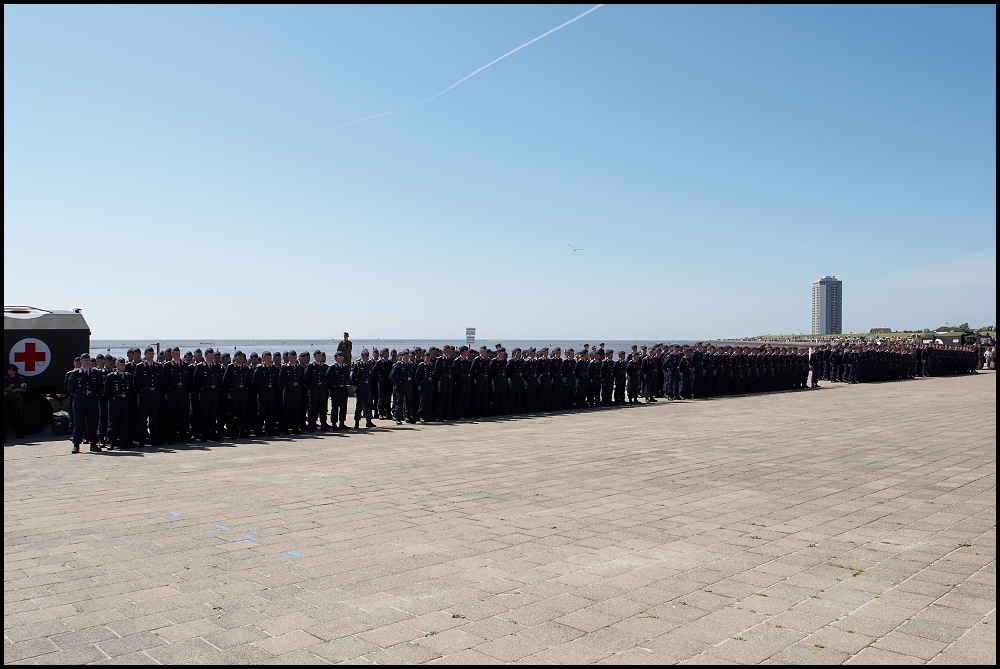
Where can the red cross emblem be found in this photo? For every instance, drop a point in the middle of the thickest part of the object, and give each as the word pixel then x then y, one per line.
pixel 31 356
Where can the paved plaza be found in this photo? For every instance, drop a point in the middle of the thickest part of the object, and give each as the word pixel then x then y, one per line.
pixel 849 524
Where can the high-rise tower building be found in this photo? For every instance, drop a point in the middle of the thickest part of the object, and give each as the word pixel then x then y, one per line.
pixel 828 302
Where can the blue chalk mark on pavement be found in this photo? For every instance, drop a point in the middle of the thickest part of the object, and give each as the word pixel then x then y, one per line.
pixel 291 556
pixel 248 540
pixel 222 528
pixel 172 514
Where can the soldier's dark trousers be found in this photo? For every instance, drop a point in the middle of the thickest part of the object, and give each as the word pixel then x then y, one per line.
pixel 85 426
pixel 426 401
pixel 385 399
pixel 400 399
pixel 292 402
pixel 149 417
pixel 482 397
pixel 363 400
pixel 515 394
pixel 13 409
pixel 118 434
pixel 463 389
pixel 102 420
pixel 668 384
pixel 239 417
pixel 530 394
pixel 499 407
pixel 265 415
pixel 317 409
pixel 446 388
pixel 209 414
pixel 175 421
pixel 338 412
pixel 594 392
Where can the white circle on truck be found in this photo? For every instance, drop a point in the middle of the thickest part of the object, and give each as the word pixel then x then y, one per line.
pixel 32 356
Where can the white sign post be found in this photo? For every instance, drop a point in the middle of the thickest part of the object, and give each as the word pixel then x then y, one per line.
pixel 470 336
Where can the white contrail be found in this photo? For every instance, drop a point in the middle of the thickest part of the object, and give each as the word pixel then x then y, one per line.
pixel 469 76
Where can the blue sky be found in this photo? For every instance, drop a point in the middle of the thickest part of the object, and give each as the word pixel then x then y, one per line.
pixel 187 172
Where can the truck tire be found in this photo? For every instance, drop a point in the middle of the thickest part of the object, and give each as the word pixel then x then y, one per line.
pixel 36 413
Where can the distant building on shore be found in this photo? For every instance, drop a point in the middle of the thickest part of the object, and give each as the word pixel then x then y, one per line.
pixel 828 302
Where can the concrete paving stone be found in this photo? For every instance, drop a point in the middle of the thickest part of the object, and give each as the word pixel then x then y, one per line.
pixel 175 653
pixel 137 658
pixel 400 654
pixel 237 636
pixel 806 654
pixel 129 626
pixel 906 644
pixel 738 650
pixel 930 630
pixel 466 657
pixel 841 640
pixel 130 645
pixel 879 656
pixel 28 649
pixel 287 643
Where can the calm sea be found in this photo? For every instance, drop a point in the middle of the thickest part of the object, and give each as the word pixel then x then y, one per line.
pixel 118 347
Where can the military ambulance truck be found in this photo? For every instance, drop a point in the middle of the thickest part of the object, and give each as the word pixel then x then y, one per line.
pixel 43 345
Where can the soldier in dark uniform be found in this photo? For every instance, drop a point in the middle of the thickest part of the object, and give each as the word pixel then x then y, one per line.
pixel 498 381
pixel 265 385
pixel 425 381
pixel 401 381
pixel 462 371
pixel 338 378
pixel 69 396
pixel 378 365
pixel 479 371
pixel 530 375
pixel 303 415
pixel 582 381
pixel 147 383
pixel 557 394
pixel 569 379
pixel 196 358
pixel 648 375
pixel 290 381
pixel 816 364
pixel 413 403
pixel 236 383
pixel 207 383
pixel 361 377
pixel 102 367
pixel 683 377
pixel 632 377
pixel 84 387
pixel 176 377
pixel 620 378
pixel 543 377
pixel 515 382
pixel 443 377
pixel 608 378
pixel 14 387
pixel 594 378
pixel 117 390
pixel 315 381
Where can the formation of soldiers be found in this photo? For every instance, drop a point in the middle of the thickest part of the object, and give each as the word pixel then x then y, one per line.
pixel 166 398
pixel 871 363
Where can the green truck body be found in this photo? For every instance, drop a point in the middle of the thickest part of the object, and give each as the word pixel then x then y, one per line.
pixel 43 344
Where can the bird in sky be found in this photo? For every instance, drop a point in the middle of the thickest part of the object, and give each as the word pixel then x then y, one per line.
pixel 574 248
